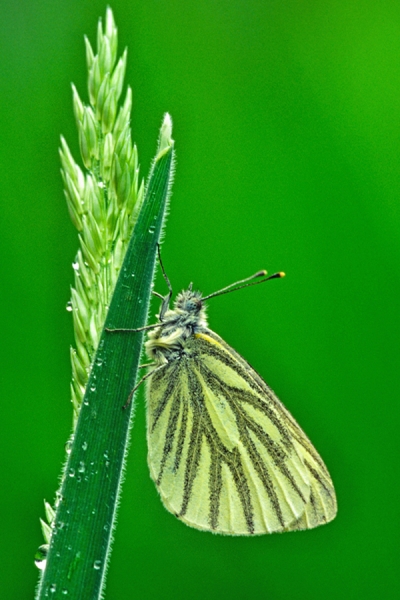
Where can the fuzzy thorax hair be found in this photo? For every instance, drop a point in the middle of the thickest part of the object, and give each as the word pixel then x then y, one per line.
pixel 186 318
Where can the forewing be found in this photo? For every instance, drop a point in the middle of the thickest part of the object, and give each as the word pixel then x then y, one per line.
pixel 225 454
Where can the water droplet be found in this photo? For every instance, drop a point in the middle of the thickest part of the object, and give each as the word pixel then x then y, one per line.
pixel 132 274
pixel 97 564
pixel 60 525
pixel 152 229
pixel 86 402
pixel 64 592
pixel 106 455
pixel 75 266
pixel 41 564
pixel 41 556
pixel 92 388
pixel 81 467
pixel 99 361
pixel 69 306
pixel 71 472
pixel 84 446
pixel 53 588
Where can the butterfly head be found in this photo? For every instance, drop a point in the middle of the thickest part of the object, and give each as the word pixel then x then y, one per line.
pixel 177 325
pixel 188 311
pixel 189 302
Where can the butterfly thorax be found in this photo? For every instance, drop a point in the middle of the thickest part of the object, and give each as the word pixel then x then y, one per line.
pixel 177 325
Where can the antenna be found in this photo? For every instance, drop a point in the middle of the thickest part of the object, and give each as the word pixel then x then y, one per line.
pixel 165 299
pixel 163 271
pixel 233 287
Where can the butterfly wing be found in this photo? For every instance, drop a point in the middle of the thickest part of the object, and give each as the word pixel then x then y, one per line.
pixel 225 454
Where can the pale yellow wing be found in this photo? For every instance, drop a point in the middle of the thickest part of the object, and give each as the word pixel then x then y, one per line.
pixel 225 454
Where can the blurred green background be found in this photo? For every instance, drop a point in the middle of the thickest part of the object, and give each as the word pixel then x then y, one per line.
pixel 287 128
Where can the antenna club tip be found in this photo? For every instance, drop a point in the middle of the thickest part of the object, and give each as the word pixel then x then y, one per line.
pixel 282 274
pixel 261 273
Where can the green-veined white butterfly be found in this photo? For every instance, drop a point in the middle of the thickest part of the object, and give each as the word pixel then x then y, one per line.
pixel 225 454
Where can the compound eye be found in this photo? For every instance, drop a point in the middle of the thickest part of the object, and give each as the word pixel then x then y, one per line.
pixel 197 303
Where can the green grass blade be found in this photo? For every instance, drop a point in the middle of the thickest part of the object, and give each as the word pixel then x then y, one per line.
pixel 86 507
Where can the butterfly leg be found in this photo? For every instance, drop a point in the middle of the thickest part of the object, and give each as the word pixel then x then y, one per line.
pixel 117 330
pixel 127 403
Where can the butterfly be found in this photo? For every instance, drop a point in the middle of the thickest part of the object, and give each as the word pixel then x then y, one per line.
pixel 225 454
